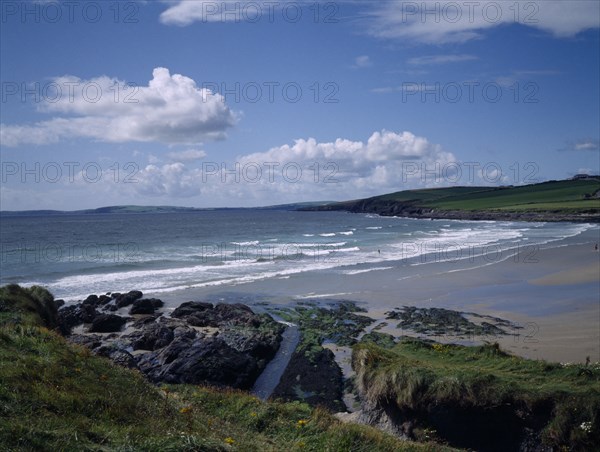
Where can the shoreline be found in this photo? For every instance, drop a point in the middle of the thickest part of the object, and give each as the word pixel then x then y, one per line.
pixel 543 291
pixel 413 212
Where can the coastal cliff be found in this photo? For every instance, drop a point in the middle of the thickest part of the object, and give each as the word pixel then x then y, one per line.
pixel 570 200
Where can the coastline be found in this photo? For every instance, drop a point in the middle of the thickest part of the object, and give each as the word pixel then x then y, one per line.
pixel 552 292
pixel 395 209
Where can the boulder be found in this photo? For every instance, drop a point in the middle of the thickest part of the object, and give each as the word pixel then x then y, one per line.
pixel 200 360
pixel 107 323
pixel 122 300
pixel 91 299
pixel 73 315
pixel 152 336
pixel 145 306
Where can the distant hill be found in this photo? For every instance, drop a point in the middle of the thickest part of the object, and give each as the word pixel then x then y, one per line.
pixel 151 209
pixel 565 200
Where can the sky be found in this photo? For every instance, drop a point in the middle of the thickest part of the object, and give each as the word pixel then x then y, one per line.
pixel 249 103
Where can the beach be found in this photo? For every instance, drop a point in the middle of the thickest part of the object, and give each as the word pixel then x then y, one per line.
pixel 551 292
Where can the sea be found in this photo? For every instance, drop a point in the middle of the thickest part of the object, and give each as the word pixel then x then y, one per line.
pixel 162 253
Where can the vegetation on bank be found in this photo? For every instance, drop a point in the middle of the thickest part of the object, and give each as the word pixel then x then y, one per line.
pixel 457 392
pixel 553 197
pixel 57 396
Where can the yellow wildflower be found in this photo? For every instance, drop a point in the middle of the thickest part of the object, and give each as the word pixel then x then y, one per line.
pixel 229 440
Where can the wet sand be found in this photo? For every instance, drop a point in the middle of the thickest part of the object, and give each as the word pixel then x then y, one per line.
pixel 552 291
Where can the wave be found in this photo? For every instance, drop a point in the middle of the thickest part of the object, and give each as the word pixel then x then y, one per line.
pixel 328 234
pixel 250 243
pixel 366 270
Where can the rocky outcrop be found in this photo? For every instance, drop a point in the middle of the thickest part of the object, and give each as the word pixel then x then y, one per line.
pixel 194 359
pixel 151 336
pixel 123 300
pixel 145 306
pixel 222 345
pixel 107 323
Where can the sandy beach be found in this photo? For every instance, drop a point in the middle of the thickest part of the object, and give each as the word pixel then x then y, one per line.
pixel 552 292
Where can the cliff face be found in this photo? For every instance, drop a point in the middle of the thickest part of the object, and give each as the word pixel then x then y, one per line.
pixel 477 398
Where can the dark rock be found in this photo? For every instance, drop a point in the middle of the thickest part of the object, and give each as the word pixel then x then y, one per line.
pixel 152 337
pixel 107 323
pixel 118 356
pixel 201 314
pixel 91 299
pixel 144 306
pixel 111 307
pixel 260 345
pixel 195 361
pixel 90 341
pixel 73 315
pixel 157 303
pixel 145 320
pixel 104 299
pixel 59 303
pixel 127 299
pixel 237 314
pixel 190 308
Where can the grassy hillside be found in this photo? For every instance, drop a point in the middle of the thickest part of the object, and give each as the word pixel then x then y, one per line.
pixel 56 396
pixel 555 197
pixel 455 389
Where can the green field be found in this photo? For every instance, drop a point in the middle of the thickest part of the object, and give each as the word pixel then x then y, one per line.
pixel 546 196
pixel 553 197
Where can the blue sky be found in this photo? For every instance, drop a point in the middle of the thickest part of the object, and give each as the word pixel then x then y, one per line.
pixel 237 103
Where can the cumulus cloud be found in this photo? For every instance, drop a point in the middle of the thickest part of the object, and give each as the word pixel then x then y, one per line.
pixel 440 22
pixel 171 109
pixel 344 168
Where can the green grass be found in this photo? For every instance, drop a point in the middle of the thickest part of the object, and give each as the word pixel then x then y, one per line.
pixel 57 396
pixel 419 376
pixel 566 196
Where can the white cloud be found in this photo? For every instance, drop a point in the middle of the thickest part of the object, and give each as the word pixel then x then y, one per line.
pixel 171 109
pixel 439 22
pixel 302 171
pixel 348 168
pixel 186 12
pixel 172 180
pixel 587 145
pixel 187 156
pixel 362 61
pixel 430 60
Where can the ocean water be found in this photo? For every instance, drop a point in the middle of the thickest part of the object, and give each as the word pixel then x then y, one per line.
pixel 75 255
